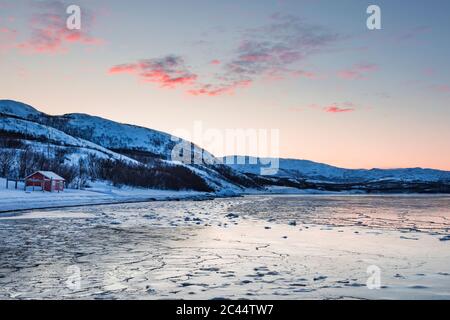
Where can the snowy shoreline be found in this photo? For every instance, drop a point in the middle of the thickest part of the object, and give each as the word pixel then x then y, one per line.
pixel 100 202
pixel 101 193
pixel 12 200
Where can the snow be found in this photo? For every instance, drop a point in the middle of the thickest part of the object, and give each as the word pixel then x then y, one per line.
pixel 114 135
pixel 100 135
pixel 50 175
pixel 57 137
pixel 110 134
pixel 18 109
pixel 99 193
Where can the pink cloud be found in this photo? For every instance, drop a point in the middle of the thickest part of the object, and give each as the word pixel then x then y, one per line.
pixel 345 107
pixel 306 74
pixel 357 71
pixel 277 74
pixel 168 72
pixel 213 91
pixel 256 57
pixel 55 40
pixel 335 108
pixel 5 30
pixel 171 72
pixel 267 51
pixel 442 88
pixel 271 51
pixel 167 80
pixel 124 68
pixel 49 33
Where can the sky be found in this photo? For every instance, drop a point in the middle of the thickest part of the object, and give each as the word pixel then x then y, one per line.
pixel 337 92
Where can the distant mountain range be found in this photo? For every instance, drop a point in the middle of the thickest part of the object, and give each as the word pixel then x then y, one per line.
pixel 99 148
pixel 319 172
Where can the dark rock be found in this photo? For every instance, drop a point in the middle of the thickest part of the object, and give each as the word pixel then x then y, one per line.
pixel 319 278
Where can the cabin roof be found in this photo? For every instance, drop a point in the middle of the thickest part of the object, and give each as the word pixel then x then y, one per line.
pixel 47 174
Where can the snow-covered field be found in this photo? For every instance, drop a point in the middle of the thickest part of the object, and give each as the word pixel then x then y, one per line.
pixel 255 247
pixel 99 193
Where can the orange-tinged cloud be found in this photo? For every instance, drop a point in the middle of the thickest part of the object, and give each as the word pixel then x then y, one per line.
pixel 168 72
pixel 335 108
pixel 171 72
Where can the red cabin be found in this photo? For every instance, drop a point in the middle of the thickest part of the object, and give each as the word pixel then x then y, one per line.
pixel 47 180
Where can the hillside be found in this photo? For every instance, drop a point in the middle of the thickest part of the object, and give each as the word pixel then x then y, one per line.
pixel 106 133
pixel 122 153
pixel 40 137
pixel 85 148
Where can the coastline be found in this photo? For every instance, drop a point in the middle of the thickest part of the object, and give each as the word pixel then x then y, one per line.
pixel 3 213
pixel 14 201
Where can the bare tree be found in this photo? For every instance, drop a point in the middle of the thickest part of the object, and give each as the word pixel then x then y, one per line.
pixel 7 158
pixel 24 161
pixel 82 173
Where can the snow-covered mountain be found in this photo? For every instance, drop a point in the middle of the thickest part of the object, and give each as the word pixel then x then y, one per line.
pixel 35 134
pixel 106 133
pixel 83 145
pixel 82 135
pixel 18 109
pixel 319 172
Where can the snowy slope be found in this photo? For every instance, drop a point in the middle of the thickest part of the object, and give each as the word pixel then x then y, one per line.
pixel 101 193
pixel 18 109
pixel 109 139
pixel 106 133
pixel 304 169
pixel 106 139
pixel 128 138
pixel 118 136
pixel 33 130
pixel 102 133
